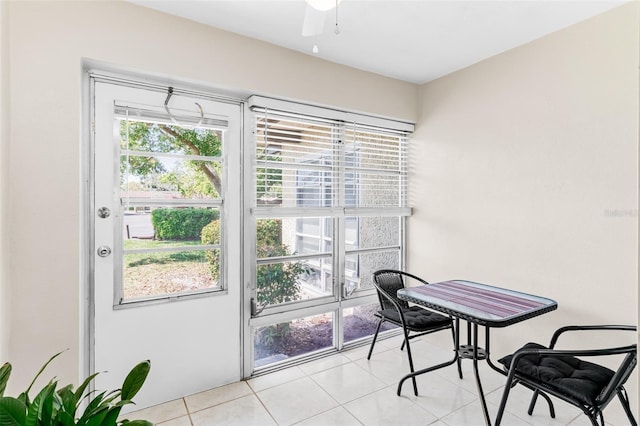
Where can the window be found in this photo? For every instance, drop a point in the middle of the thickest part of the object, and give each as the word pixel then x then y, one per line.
pixel 170 185
pixel 337 188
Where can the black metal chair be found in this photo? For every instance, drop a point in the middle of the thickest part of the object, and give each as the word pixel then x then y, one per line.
pixel 411 318
pixel 561 374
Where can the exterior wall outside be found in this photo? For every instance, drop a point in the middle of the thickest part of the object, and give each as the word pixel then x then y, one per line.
pixel 525 175
pixel 376 232
pixel 48 43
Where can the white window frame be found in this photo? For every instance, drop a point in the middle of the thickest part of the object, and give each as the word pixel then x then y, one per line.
pixel 219 124
pixel 344 120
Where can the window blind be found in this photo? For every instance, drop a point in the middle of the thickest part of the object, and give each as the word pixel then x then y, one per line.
pixel 311 161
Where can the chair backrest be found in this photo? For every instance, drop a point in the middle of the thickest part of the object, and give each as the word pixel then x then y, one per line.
pixel 619 377
pixel 389 281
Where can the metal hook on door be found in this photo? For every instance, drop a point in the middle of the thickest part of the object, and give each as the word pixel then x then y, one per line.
pixel 166 108
pixel 256 308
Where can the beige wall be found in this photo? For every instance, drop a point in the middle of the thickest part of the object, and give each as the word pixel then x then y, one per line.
pixel 4 178
pixel 524 173
pixel 49 41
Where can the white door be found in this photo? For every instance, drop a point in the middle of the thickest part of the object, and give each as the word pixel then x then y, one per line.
pixel 166 247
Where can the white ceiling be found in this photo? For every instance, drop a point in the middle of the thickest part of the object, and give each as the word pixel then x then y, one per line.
pixel 415 41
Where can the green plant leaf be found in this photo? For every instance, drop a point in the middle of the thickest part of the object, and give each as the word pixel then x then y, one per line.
pixel 135 379
pixel 12 411
pixel 113 397
pixel 112 417
pixel 94 417
pixel 39 373
pixel 68 400
pixel 100 418
pixel 24 398
pixel 124 402
pixel 59 408
pixel 84 385
pixel 5 372
pixel 87 397
pixel 93 407
pixel 41 407
pixel 65 419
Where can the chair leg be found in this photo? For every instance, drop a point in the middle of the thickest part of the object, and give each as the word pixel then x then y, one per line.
pixel 552 411
pixel 534 398
pixel 624 400
pixel 375 336
pixel 532 404
pixel 593 418
pixel 505 395
pixel 413 379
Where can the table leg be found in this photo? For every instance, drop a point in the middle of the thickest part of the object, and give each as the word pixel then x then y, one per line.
pixel 483 403
pixel 457 347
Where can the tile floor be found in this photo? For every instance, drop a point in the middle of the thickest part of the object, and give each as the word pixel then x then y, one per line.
pixel 347 389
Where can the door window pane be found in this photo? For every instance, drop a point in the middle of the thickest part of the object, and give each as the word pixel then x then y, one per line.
pixel 158 273
pixel 170 181
pixel 167 178
pixel 170 250
pixel 303 336
pixel 148 136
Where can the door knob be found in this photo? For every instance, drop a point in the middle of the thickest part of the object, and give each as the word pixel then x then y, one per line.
pixel 104 212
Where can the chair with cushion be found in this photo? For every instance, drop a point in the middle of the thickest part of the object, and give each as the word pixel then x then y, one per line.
pixel 560 373
pixel 410 318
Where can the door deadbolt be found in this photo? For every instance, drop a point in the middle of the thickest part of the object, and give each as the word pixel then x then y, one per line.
pixel 104 212
pixel 104 251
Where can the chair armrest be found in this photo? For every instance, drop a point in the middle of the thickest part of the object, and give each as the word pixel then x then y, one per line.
pixel 561 330
pixel 396 271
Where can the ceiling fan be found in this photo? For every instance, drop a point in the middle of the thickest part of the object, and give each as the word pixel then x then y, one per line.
pixel 314 17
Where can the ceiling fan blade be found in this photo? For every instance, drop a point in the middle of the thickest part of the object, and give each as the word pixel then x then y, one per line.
pixel 313 24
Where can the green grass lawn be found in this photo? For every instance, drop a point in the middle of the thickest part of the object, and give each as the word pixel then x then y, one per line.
pixel 137 259
pixel 157 273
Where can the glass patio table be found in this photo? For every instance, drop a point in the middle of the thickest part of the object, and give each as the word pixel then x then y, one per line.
pixel 479 305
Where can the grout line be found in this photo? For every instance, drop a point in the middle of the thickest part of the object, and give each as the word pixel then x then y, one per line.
pixel 340 405
pixel 217 405
pixel 264 406
pixel 186 407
